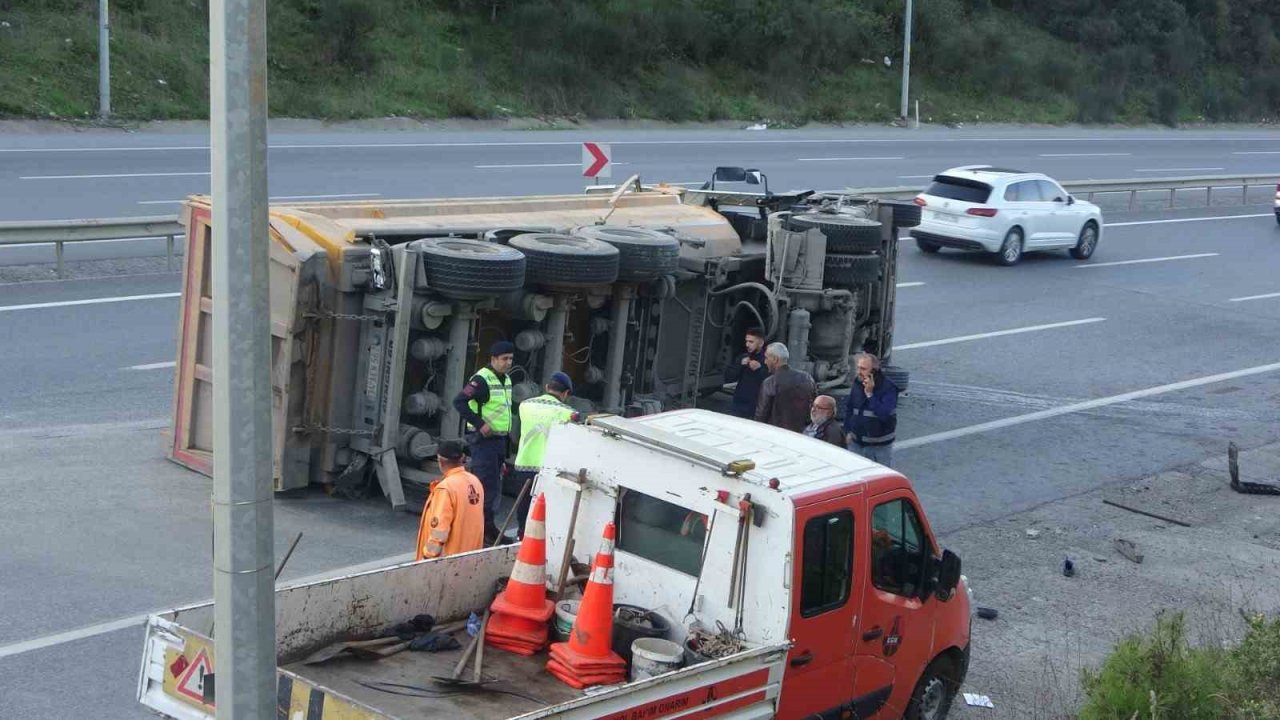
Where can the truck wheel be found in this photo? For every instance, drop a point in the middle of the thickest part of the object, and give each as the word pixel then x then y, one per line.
pixel 566 260
pixel 644 254
pixel 470 269
pixel 847 270
pixel 931 699
pixel 906 214
pixel 845 234
pixel 898 376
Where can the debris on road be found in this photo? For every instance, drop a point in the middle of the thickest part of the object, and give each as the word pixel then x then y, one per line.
pixel 1033 533
pixel 1243 486
pixel 1128 549
pixel 976 700
pixel 1068 568
pixel 987 613
pixel 1148 513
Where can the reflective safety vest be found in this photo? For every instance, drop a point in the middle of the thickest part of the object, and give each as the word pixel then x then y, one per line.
pixel 537 417
pixel 497 411
pixel 453 520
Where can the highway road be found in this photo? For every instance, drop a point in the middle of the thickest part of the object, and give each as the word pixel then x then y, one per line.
pixel 1029 384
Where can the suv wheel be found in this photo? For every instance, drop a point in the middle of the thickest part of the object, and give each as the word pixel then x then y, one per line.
pixel 1087 243
pixel 926 246
pixel 1011 251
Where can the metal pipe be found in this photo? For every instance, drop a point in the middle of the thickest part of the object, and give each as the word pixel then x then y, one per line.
pixel 104 60
pixel 243 587
pixel 622 296
pixel 455 367
pixel 798 325
pixel 557 320
pixel 906 61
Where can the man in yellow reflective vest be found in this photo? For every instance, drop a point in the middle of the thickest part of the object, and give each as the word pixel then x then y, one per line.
pixel 485 403
pixel 537 416
pixel 453 519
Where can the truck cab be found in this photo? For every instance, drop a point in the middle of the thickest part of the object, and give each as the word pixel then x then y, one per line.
pixel 815 570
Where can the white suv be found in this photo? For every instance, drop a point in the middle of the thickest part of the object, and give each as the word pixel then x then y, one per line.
pixel 1006 212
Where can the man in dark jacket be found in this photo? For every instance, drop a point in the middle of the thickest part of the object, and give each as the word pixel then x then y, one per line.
pixel 749 371
pixel 785 396
pixel 822 421
pixel 485 405
pixel 871 413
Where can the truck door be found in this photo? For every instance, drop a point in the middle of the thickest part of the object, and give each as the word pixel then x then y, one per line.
pixel 818 677
pixel 895 635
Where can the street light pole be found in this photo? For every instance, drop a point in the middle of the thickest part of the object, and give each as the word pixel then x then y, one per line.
pixel 243 586
pixel 104 61
pixel 906 63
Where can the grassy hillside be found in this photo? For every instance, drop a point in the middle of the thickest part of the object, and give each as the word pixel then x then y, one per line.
pixel 777 60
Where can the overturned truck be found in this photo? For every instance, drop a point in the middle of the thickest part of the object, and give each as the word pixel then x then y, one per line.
pixel 381 310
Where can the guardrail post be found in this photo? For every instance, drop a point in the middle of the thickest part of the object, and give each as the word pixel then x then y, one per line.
pixel 1090 198
pixel 168 258
pixel 1244 194
pixel 1172 191
pixel 1133 195
pixel 57 249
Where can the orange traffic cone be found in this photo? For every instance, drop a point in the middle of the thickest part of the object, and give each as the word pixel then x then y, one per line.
pixel 521 612
pixel 588 658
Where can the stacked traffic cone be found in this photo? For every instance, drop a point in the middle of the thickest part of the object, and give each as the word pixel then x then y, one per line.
pixel 588 658
pixel 518 622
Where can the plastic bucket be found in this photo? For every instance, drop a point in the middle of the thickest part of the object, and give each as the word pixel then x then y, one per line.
pixel 566 612
pixel 654 656
pixel 631 622
pixel 691 654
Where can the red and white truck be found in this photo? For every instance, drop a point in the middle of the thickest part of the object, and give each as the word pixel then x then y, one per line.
pixel 819 563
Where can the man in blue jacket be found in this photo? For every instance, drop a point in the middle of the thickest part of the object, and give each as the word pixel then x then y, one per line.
pixel 749 372
pixel 871 412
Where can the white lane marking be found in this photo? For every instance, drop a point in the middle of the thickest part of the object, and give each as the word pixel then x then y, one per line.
pixel 535 165
pixel 110 626
pixel 1085 154
pixel 116 175
pixel 153 366
pixel 1255 297
pixel 1178 169
pixel 276 197
pixel 91 301
pixel 1148 260
pixel 1258 152
pixel 1083 406
pixel 910 284
pixel 839 159
pixel 914 177
pixel 1187 220
pixel 998 333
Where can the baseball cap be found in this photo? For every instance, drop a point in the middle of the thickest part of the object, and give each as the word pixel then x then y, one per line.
pixel 450 450
pixel 502 347
pixel 563 379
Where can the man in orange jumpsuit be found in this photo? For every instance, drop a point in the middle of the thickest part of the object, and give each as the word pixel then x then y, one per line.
pixel 453 520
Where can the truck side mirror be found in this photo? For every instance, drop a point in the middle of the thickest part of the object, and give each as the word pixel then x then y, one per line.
pixel 948 572
pixel 730 174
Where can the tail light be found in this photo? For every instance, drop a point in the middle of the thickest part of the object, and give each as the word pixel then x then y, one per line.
pixel 921 202
pixel 981 212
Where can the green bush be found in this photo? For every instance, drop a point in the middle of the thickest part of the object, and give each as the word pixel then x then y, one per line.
pixel 1160 676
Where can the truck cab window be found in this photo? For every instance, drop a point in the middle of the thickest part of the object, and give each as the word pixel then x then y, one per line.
pixel 828 563
pixel 660 531
pixel 898 549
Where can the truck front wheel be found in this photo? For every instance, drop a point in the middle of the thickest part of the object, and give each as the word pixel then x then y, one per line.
pixel 931 699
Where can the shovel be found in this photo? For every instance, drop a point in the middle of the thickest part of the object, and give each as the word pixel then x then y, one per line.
pixel 336 649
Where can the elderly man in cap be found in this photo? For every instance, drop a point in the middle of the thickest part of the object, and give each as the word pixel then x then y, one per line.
pixel 537 416
pixel 485 404
pixel 453 519
pixel 822 421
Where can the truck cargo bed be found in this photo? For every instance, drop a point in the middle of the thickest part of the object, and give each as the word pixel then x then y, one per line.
pixel 515 685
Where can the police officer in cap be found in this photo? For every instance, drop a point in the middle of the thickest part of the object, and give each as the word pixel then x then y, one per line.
pixel 537 416
pixel 485 404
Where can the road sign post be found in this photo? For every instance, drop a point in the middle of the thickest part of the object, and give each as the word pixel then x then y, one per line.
pixel 597 160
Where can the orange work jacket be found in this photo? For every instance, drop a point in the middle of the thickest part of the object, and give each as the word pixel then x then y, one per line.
pixel 453 520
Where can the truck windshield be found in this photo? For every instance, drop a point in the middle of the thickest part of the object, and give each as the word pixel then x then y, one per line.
pixel 954 188
pixel 660 531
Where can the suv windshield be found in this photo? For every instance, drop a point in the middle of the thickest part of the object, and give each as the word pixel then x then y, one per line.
pixel 959 189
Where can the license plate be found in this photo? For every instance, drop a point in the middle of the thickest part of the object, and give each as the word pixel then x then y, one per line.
pixel 940 217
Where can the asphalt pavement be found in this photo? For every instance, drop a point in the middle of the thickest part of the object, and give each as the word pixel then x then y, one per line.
pixel 1029 384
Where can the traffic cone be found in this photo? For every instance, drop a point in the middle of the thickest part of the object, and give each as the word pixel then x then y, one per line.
pixel 588 658
pixel 519 615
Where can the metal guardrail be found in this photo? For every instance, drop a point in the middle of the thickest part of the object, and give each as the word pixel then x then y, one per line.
pixel 60 232
pixel 1090 188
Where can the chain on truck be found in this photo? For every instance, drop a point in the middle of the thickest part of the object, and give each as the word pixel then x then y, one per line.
pixel 381 309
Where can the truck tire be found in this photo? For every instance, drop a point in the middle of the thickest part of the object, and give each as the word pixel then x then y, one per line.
pixel 566 260
pixel 470 269
pixel 845 234
pixel 848 270
pixel 898 376
pixel 906 214
pixel 644 254
pixel 931 699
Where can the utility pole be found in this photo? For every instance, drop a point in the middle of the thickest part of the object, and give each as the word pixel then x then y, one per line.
pixel 104 61
pixel 243 586
pixel 906 63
